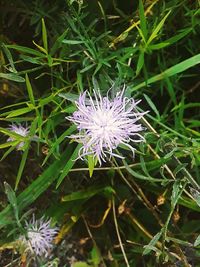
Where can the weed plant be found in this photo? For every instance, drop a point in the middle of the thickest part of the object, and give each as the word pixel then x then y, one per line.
pixel 136 212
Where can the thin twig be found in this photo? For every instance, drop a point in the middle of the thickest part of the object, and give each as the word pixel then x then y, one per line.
pixel 118 234
pixel 104 168
pixel 141 196
pixel 93 240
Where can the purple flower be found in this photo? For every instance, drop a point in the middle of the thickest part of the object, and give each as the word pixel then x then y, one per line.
pixel 39 237
pixel 104 124
pixel 18 129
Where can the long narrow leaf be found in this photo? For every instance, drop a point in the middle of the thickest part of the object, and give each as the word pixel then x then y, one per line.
pixel 30 90
pixel 26 50
pixel 44 35
pixel 13 77
pixel 143 24
pixel 180 67
pixel 25 154
pixel 157 29
pixel 36 188
pixel 68 166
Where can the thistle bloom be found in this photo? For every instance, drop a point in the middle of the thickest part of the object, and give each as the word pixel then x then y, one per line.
pixel 18 129
pixel 40 236
pixel 104 124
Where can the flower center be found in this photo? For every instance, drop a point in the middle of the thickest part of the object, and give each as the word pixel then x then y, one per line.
pixel 34 236
pixel 104 124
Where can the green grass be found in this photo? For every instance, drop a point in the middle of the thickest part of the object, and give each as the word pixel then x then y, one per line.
pixel 141 212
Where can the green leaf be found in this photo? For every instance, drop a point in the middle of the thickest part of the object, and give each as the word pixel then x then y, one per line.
pixel 178 241
pixel 12 76
pixel 197 241
pixel 86 193
pixel 176 192
pixel 8 151
pixel 68 166
pixel 171 91
pixel 33 60
pixel 196 195
pixel 170 41
pixel 140 176
pixel 148 248
pixel 140 63
pixel 12 199
pixel 95 256
pixel 188 203
pixel 46 100
pixel 87 68
pixel 19 112
pixel 91 164
pixel 80 264
pixel 36 188
pixel 12 134
pixel 74 42
pixel 69 96
pixel 10 194
pixel 180 67
pixel 21 167
pixel 158 46
pixel 30 90
pixel 157 29
pixel 50 61
pixel 144 167
pixel 58 141
pixel 40 48
pixel 44 35
pixel 12 143
pixel 151 104
pixel 141 34
pixel 26 50
pixel 143 24
pixel 25 154
pixel 58 43
pixel 9 56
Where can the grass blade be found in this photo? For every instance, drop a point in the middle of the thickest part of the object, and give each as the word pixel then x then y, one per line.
pixel 13 77
pixel 44 36
pixel 30 90
pixel 180 67
pixel 68 165
pixel 143 24
pixel 36 188
pixel 157 29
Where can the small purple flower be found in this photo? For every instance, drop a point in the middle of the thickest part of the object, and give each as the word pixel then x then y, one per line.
pixel 18 129
pixel 104 124
pixel 40 236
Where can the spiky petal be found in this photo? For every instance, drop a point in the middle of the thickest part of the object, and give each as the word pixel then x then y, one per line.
pixel 105 123
pixel 39 236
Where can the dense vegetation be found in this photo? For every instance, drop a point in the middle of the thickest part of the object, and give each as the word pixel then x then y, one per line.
pixel 126 212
